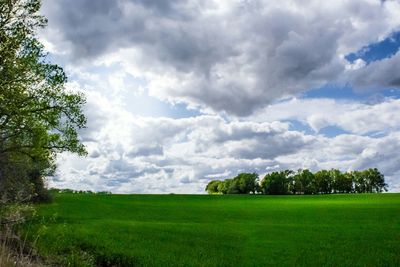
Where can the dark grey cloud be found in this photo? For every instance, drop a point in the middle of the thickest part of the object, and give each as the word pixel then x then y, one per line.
pixel 94 28
pixel 163 7
pixel 145 151
pixel 94 154
pixel 124 171
pixel 234 57
pixel 382 154
pixel 270 147
pixel 88 26
pixel 382 74
pixel 248 140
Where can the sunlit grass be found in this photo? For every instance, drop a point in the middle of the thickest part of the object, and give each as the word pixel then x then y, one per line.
pixel 202 230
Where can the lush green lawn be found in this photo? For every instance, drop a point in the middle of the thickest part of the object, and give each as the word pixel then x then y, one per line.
pixel 200 230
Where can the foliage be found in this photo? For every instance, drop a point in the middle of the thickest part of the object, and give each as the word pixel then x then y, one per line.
pixel 276 183
pixel 247 183
pixel 212 187
pixel 302 182
pixel 14 251
pixel 323 182
pixel 38 116
pixel 244 183
pixel 374 181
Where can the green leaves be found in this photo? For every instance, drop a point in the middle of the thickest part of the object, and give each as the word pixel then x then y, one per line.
pixel 302 182
pixel 38 116
pixel 32 92
pixel 244 183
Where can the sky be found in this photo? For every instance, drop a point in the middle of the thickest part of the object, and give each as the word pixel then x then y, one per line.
pixel 183 92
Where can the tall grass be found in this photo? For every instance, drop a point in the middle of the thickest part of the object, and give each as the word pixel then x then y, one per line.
pixel 14 249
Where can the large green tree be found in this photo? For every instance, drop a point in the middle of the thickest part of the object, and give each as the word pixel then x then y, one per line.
pixel 374 181
pixel 213 187
pixel 247 182
pixel 323 182
pixel 276 183
pixel 343 182
pixel 243 183
pixel 304 182
pixel 38 116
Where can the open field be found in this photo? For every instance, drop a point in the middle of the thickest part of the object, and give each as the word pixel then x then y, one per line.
pixel 214 230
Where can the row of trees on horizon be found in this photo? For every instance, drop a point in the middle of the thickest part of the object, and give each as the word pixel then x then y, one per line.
pixel 302 181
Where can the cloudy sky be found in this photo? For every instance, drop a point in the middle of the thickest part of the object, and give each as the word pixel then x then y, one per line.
pixel 183 92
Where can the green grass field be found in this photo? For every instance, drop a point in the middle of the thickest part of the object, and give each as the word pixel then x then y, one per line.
pixel 204 230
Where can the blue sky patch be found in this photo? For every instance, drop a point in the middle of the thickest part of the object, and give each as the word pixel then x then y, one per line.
pixel 295 125
pixel 377 51
pixel 332 131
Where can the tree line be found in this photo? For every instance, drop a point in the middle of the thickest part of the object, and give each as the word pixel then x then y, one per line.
pixel 302 181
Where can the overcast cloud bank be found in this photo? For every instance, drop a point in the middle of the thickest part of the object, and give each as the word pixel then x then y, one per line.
pixel 243 66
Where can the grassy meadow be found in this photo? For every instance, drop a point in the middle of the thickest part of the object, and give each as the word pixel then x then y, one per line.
pixel 219 230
